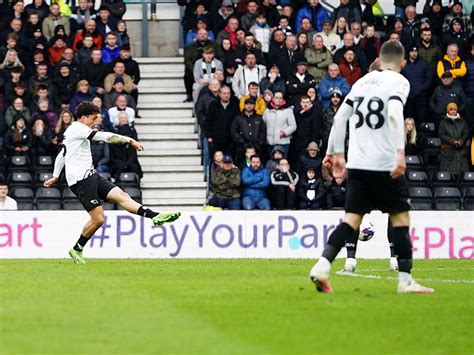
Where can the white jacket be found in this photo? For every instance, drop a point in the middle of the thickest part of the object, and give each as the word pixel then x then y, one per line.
pixel 263 35
pixel 279 120
pixel 240 82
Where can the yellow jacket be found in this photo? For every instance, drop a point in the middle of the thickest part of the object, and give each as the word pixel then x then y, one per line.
pixel 260 105
pixel 457 67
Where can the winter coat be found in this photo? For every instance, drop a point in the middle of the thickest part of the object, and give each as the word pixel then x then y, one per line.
pixel 336 194
pixel 11 114
pixel 194 52
pixel 317 185
pixel 360 57
pixel 109 54
pixel 327 86
pixel 240 82
pixel 249 129
pixel 260 104
pixel 219 121
pixel 316 15
pixel 198 71
pixel 111 97
pixel 40 144
pixel 279 178
pixel 50 23
pixel 64 88
pixel 296 88
pixel 279 85
pixel 469 78
pixel 328 119
pixel 226 183
pixel 443 95
pixel 352 73
pixel 49 116
pixel 263 35
pixel 94 73
pixel 36 81
pixel 305 162
pixel 419 76
pixel 309 126
pixel 457 67
pixel 110 79
pixel 132 68
pixel 331 41
pixel 453 159
pixel 202 105
pixel 79 37
pixel 318 62
pixel 370 47
pixel 80 97
pixel 431 54
pixel 349 12
pixel 277 120
pixel 10 144
pixel 286 64
pixel 191 37
pixel 254 182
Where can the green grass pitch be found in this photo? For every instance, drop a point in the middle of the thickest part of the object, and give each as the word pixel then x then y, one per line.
pixel 230 307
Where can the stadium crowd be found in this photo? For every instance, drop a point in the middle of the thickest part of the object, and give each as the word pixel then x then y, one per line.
pixel 52 57
pixel 266 78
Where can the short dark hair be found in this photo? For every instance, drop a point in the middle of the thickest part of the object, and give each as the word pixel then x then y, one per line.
pixel 305 97
pixel 252 83
pixel 255 156
pixel 86 108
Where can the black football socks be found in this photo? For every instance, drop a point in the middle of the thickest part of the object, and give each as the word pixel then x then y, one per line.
pixel 351 245
pixel 403 249
pixel 146 212
pixel 337 240
pixel 81 243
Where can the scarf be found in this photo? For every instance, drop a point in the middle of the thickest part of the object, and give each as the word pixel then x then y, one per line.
pixel 454 118
pixel 205 74
pixel 275 107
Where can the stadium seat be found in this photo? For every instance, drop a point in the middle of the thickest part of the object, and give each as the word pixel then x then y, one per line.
pixel 41 177
pixel 19 163
pixel 20 178
pixel 421 198
pixel 134 193
pixel 24 196
pixel 443 178
pixel 417 178
pixel 431 149
pixel 70 201
pixel 468 198
pixel 414 162
pixel 425 130
pixel 466 180
pixel 48 198
pixel 447 198
pixel 44 163
pixel 128 179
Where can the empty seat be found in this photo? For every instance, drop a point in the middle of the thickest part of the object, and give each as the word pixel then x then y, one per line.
pixel 20 178
pixel 24 196
pixel 414 162
pixel 42 176
pixel 72 205
pixel 421 198
pixel 425 130
pixel 19 162
pixel 44 163
pixel 134 193
pixel 128 179
pixel 443 178
pixel 431 149
pixel 447 198
pixel 466 180
pixel 468 198
pixel 48 198
pixel 417 178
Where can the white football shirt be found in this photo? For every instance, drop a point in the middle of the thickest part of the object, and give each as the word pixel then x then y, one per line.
pixel 374 109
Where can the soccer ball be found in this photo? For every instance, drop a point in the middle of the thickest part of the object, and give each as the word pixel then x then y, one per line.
pixel 366 232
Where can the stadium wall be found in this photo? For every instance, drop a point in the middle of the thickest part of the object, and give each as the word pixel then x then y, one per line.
pixel 242 234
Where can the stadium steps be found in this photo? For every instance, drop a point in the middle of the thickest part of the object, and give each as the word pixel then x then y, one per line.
pixel 172 171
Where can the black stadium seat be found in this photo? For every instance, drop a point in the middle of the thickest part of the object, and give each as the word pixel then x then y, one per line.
pixel 417 178
pixel 447 198
pixel 44 163
pixel 48 198
pixel 19 162
pixel 468 198
pixel 431 149
pixel 443 178
pixel 466 180
pixel 41 177
pixel 70 201
pixel 20 178
pixel 421 198
pixel 425 130
pixel 414 162
pixel 128 179
pixel 24 196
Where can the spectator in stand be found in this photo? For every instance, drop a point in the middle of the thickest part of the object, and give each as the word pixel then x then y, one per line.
pixel 298 84
pixel 302 40
pixel 280 124
pixel 19 90
pixel 277 44
pixel 330 82
pixel 189 20
pixel 11 42
pixel 118 89
pixel 83 93
pixel 255 180
pixel 453 63
pixel 201 24
pixel 204 69
pixel 347 10
pixel 6 202
pixel 95 71
pixel 429 50
pixel 16 27
pixel 348 41
pixel 454 135
pixel 311 191
pixel 221 16
pixel 469 88
pixel 260 104
pixel 42 92
pixel 219 118
pixel 65 120
pixel 18 138
pixel 273 81
pixel 39 7
pixel 284 182
pixel 328 116
pixel 250 17
pixel 400 29
pixel 123 39
pixel 340 28
pixel 110 50
pixel 225 185
pixel 456 12
pixel 44 111
pixel 456 35
pixel 16 109
pixel 217 163
pixel 41 78
pixel 288 57
pixel 132 68
pixel 81 15
pixel 410 137
pixel 277 154
pixel 11 61
pixel 57 49
pixel 370 44
pixel 349 67
pixel 315 12
pixel 331 40
pixel 90 30
pixel 419 76
pixel 119 71
pixel 55 18
pixel 284 25
pixel 412 22
pixel 64 86
pixel 309 159
pixel 105 23
pixel 100 150
pixel 14 77
pixel 250 72
pixel 250 45
pixel 262 32
pixel 435 15
pixel 248 129
pixel 336 193
pixel 121 106
pixel 444 94
pixel 74 67
pixel 104 113
pixel 123 157
pixel 193 53
pixel 246 156
pixel 41 136
pixel 229 31
pixel 319 58
pixel 356 30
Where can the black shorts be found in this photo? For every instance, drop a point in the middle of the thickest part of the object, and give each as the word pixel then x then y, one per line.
pixel 376 190
pixel 92 190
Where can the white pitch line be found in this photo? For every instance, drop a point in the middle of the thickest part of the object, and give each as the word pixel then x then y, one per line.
pixel 422 269
pixel 353 274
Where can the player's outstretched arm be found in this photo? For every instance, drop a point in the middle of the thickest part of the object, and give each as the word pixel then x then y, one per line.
pixel 113 138
pixel 58 167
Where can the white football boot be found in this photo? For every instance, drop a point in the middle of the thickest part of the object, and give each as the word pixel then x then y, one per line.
pixel 413 287
pixel 319 275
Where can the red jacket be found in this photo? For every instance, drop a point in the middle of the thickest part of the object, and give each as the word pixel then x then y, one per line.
pixel 80 37
pixel 56 54
pixel 352 73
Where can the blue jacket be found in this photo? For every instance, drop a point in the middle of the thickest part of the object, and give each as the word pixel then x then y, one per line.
pixel 255 182
pixel 419 75
pixel 469 78
pixel 327 85
pixel 316 15
pixel 108 54
pixel 191 36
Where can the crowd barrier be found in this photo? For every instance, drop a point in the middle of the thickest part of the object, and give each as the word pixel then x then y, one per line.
pixel 226 234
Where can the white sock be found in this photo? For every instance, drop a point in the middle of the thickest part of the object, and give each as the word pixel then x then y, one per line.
pixel 404 277
pixel 324 264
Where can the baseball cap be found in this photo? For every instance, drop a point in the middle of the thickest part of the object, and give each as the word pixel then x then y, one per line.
pixel 227 159
pixel 227 3
pixel 249 101
pixel 312 146
pixel 413 49
pixel 118 79
pixel 302 62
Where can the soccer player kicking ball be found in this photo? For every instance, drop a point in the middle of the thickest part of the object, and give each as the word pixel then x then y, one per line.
pixel 376 164
pixel 87 184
